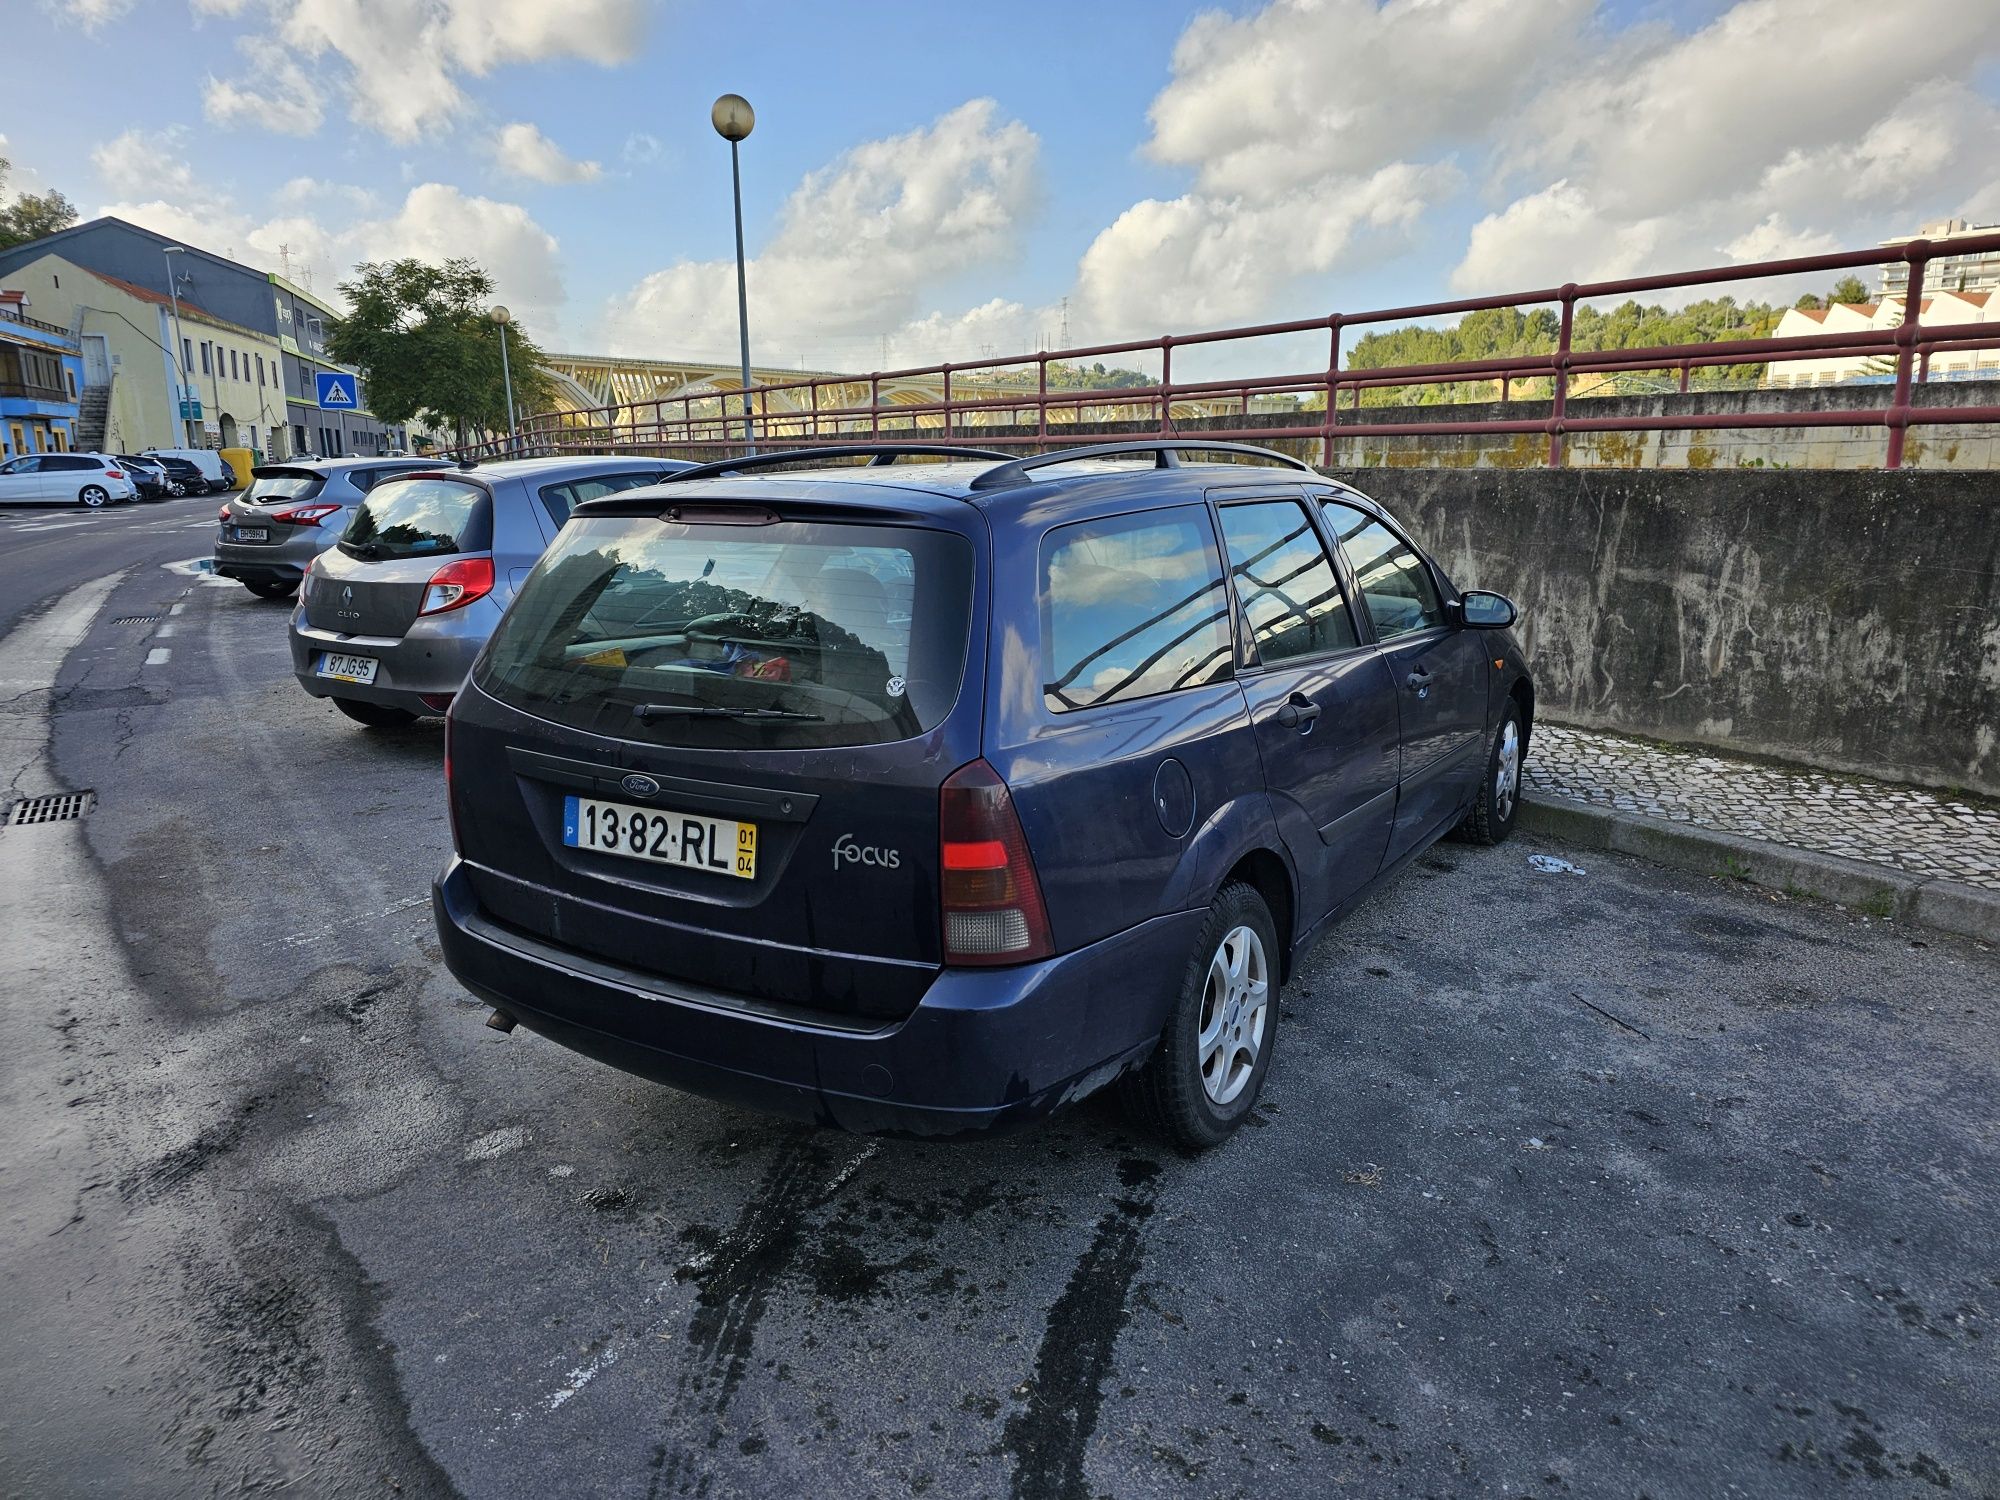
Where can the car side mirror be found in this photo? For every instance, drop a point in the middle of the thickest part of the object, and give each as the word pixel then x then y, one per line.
pixel 1484 610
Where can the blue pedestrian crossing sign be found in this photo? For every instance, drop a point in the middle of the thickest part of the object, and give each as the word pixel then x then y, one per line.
pixel 336 390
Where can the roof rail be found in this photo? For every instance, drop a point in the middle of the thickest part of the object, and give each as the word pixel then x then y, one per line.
pixel 879 455
pixel 1164 457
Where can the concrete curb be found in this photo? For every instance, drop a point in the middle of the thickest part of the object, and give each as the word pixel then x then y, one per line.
pixel 1947 905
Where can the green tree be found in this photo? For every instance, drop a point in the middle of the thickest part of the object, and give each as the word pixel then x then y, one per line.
pixel 422 336
pixel 32 215
pixel 1848 289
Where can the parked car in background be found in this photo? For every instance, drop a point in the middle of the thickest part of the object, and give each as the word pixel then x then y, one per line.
pixel 148 475
pixel 91 479
pixel 390 618
pixel 929 798
pixel 290 513
pixel 215 474
pixel 183 477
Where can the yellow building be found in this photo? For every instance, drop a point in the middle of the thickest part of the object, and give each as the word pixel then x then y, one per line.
pixel 231 375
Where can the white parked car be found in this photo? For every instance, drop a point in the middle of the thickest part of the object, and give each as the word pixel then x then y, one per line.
pixel 91 479
pixel 218 474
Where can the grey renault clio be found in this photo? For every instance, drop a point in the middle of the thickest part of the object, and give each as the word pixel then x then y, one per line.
pixel 391 616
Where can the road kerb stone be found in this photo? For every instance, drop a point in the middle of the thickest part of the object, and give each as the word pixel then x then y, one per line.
pixel 1946 905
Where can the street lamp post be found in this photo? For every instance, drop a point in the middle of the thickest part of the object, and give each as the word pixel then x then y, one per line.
pixel 503 317
pixel 182 374
pixel 734 120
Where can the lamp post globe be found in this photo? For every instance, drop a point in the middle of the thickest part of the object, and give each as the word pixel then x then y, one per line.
pixel 501 315
pixel 733 117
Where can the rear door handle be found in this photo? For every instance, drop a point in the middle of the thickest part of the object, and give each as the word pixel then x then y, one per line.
pixel 1298 712
pixel 1420 682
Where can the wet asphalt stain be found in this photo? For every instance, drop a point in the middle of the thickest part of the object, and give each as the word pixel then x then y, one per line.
pixel 1049 1437
pixel 735 1278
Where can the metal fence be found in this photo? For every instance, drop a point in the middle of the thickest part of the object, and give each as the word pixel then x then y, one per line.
pixel 978 405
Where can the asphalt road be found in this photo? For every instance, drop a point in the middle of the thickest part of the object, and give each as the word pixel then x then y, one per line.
pixel 1622 1183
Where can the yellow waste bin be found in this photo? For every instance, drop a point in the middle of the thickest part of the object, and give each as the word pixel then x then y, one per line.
pixel 240 461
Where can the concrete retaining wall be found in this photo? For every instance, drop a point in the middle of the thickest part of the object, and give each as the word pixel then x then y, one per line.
pixel 1843 620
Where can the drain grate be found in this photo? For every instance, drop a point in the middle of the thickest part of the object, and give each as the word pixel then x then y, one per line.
pixel 135 620
pixel 57 807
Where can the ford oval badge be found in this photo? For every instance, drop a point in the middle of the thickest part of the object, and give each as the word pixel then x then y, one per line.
pixel 640 785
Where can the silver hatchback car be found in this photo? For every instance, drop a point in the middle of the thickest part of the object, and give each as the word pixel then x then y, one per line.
pixel 390 618
pixel 291 513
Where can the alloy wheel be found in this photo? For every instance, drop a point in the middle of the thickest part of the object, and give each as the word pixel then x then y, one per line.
pixel 1507 771
pixel 1235 1014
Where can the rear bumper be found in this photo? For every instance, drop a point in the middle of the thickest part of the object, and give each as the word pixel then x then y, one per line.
pixel 268 562
pixel 430 662
pixel 985 1050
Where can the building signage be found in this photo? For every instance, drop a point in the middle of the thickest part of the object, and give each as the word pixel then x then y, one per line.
pixel 190 408
pixel 337 390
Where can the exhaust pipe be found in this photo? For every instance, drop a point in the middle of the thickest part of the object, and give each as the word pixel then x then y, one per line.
pixel 501 1021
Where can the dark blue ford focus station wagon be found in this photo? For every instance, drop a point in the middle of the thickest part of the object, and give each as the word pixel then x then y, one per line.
pixel 928 797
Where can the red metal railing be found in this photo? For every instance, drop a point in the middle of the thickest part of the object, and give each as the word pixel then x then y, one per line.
pixel 977 404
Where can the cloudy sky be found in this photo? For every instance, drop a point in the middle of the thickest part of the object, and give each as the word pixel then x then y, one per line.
pixel 930 182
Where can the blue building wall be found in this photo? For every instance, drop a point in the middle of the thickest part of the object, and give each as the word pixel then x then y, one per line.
pixel 30 420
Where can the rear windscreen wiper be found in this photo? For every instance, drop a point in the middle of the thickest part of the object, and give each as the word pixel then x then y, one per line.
pixel 707 711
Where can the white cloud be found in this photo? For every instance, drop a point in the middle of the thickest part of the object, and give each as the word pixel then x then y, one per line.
pixel 1781 127
pixel 523 150
pixel 405 59
pixel 89 14
pixel 641 149
pixel 321 230
pixel 1200 261
pixel 1305 91
pixel 856 244
pixel 21 177
pixel 284 97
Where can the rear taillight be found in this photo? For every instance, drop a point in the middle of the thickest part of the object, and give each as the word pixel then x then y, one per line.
pixel 457 584
pixel 114 473
pixel 304 515
pixel 991 900
pixel 223 514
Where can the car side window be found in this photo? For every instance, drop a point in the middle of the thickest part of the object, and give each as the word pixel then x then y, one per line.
pixel 1285 581
pixel 57 461
pixel 561 499
pixel 1396 587
pixel 1131 606
pixel 20 466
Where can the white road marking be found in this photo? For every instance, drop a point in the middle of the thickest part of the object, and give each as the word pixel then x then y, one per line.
pixel 580 1377
pixel 497 1143
pixel 157 657
pixel 178 607
pixel 163 632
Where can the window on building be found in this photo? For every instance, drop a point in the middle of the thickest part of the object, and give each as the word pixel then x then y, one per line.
pixel 260 372
pixel 1285 581
pixel 232 366
pixel 187 355
pixel 69 379
pixel 1131 606
pixel 1396 587
pixel 204 360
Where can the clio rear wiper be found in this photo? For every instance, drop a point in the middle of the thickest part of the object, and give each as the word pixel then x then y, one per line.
pixel 645 711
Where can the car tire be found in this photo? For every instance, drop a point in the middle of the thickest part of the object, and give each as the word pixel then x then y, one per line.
pixel 1209 1069
pixel 374 715
pixel 96 496
pixel 1492 816
pixel 277 588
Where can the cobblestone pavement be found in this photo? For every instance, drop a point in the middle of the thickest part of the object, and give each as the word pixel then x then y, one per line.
pixel 1905 827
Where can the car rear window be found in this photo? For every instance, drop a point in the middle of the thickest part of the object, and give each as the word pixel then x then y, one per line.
pixel 789 635
pixel 1132 606
pixel 268 486
pixel 422 517
pixel 560 499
